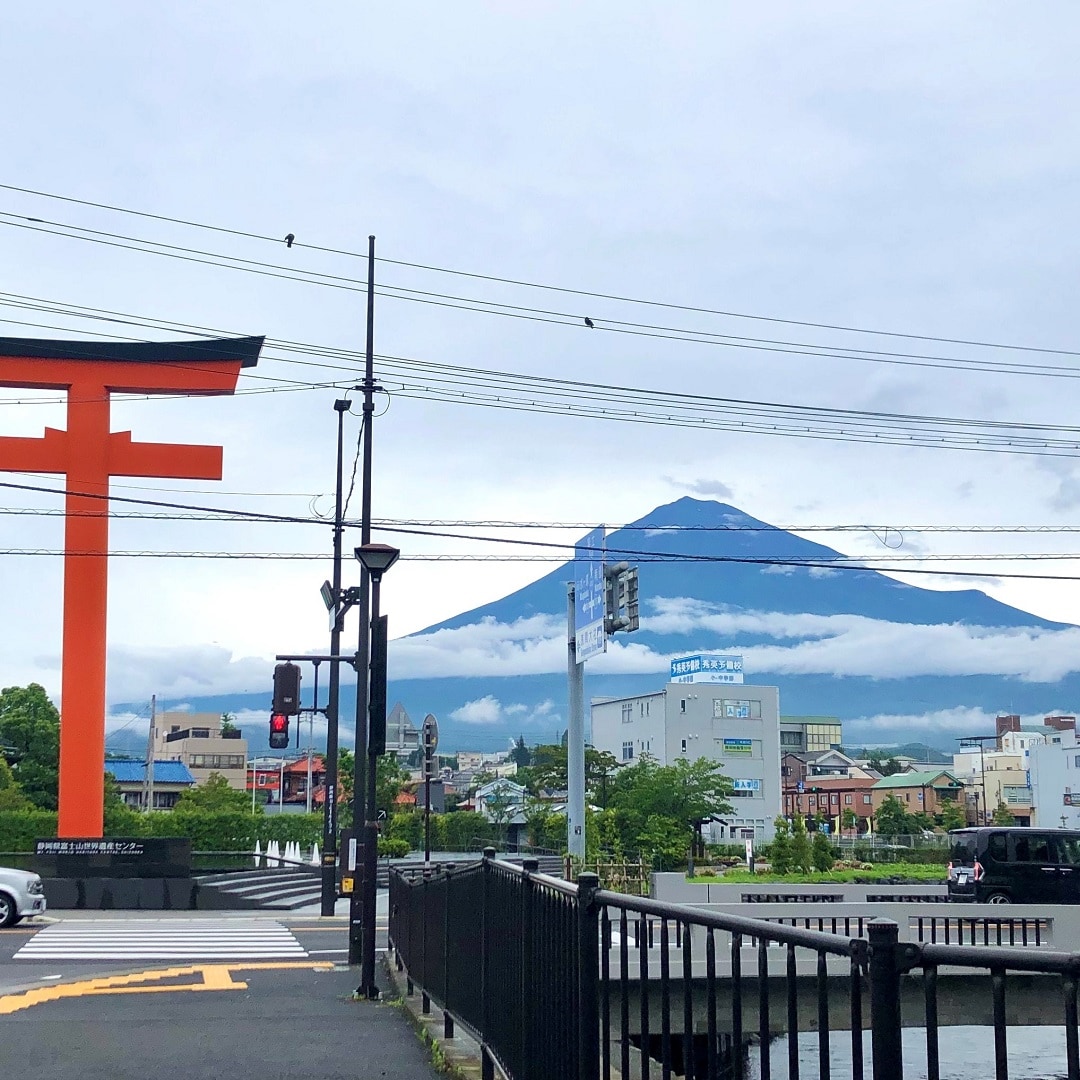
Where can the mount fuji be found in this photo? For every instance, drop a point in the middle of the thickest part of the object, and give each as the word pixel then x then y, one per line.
pixel 894 661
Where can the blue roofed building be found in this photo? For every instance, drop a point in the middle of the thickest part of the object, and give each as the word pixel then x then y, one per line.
pixel 170 780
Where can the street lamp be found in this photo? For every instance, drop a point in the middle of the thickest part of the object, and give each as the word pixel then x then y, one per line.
pixel 376 559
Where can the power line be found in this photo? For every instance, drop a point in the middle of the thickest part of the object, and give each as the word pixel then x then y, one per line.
pixel 574 397
pixel 587 293
pixel 491 307
pixel 644 555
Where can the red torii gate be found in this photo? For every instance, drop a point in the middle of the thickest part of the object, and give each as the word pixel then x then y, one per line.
pixel 87 454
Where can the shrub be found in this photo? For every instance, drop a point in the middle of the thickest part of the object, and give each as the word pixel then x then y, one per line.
pixel 393 849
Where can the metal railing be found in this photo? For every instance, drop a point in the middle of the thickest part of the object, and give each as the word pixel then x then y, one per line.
pixel 567 980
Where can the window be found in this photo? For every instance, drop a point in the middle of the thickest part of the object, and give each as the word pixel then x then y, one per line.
pixel 627 751
pixel 791 738
pixel 1076 761
pixel 684 746
pixel 627 713
pixel 735 709
pixel 682 705
pixel 847 800
pixel 200 733
pixel 835 799
pixel 1035 848
pixel 643 708
pixel 866 800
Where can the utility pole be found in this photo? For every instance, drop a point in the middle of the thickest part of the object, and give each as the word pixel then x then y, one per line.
pixel 363 800
pixel 148 772
pixel 337 605
pixel 575 738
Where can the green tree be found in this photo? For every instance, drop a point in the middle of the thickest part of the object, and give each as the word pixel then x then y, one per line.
pixel 685 791
pixel 821 855
pixel 1002 815
pixel 11 795
pixel 228 724
pixel 951 815
pixel 521 755
pixel 548 772
pixel 849 820
pixel 801 852
pixel 30 725
pixel 501 806
pixel 214 796
pixel 120 819
pixel 390 778
pixel 891 818
pixel 664 842
pixel 780 848
pixel 885 766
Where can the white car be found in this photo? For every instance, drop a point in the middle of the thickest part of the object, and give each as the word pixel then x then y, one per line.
pixel 21 894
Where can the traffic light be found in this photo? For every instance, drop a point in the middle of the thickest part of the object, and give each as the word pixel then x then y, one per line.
pixel 620 597
pixel 430 738
pixel 279 731
pixel 287 689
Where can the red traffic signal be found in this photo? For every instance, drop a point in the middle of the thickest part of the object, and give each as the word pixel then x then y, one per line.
pixel 279 732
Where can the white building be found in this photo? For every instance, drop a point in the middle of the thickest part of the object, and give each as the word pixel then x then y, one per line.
pixel 1055 781
pixel 737 725
pixel 999 770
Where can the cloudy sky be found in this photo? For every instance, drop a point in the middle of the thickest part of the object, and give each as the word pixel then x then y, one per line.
pixel 838 165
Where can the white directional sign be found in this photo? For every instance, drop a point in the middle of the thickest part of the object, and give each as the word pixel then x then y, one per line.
pixel 589 637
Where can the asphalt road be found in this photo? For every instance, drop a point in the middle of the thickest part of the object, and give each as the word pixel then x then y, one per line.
pixel 253 1016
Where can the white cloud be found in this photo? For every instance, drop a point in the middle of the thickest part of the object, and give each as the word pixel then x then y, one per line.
pixel 841 645
pixel 489 710
pixel 527 646
pixel 175 674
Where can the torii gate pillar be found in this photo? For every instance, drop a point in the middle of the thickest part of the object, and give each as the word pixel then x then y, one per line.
pixel 87 454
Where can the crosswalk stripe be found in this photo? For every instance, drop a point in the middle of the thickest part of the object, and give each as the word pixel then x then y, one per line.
pixel 172 939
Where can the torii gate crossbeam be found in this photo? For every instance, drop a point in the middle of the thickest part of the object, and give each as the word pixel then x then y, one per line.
pixel 87 454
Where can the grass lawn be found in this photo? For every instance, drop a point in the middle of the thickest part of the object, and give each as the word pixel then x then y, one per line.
pixel 913 871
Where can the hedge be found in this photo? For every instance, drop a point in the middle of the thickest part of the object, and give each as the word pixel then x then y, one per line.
pixel 222 831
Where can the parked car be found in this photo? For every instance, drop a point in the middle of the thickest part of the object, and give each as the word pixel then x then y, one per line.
pixel 1014 866
pixel 21 894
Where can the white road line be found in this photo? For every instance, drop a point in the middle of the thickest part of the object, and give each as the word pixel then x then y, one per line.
pixel 165 939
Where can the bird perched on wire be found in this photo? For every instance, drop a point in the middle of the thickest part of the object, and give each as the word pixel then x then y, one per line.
pixel 289 240
pixel 589 322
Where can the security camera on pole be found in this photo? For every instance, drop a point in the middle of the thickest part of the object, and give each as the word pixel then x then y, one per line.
pixel 602 600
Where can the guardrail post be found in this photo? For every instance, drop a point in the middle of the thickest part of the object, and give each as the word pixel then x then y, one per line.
pixel 527 996
pixel 886 1044
pixel 448 1019
pixel 588 977
pixel 487 1066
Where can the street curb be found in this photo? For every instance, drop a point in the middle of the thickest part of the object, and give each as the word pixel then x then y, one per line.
pixel 460 1056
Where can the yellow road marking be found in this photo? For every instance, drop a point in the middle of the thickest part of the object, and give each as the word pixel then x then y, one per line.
pixel 214 977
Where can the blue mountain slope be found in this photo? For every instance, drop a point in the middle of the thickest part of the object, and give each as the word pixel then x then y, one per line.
pixel 751 586
pixel 534 704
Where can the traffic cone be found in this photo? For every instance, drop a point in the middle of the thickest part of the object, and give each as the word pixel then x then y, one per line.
pixel 258 855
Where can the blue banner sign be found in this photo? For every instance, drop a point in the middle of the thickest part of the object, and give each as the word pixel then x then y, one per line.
pixel 589 637
pixel 707 668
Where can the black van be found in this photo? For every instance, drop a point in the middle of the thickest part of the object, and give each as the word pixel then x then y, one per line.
pixel 1014 866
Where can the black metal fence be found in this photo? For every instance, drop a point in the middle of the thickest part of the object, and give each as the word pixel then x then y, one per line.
pixel 562 980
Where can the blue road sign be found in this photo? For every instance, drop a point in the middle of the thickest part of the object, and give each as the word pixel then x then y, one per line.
pixel 589 635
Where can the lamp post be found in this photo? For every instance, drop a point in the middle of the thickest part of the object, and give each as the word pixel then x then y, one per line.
pixel 376 559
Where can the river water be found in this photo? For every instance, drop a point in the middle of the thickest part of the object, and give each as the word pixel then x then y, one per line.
pixel 965 1053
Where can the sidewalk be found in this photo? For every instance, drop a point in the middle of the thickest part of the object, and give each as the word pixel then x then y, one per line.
pixel 291 1022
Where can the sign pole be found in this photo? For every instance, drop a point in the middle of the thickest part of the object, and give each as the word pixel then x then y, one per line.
pixel 575 737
